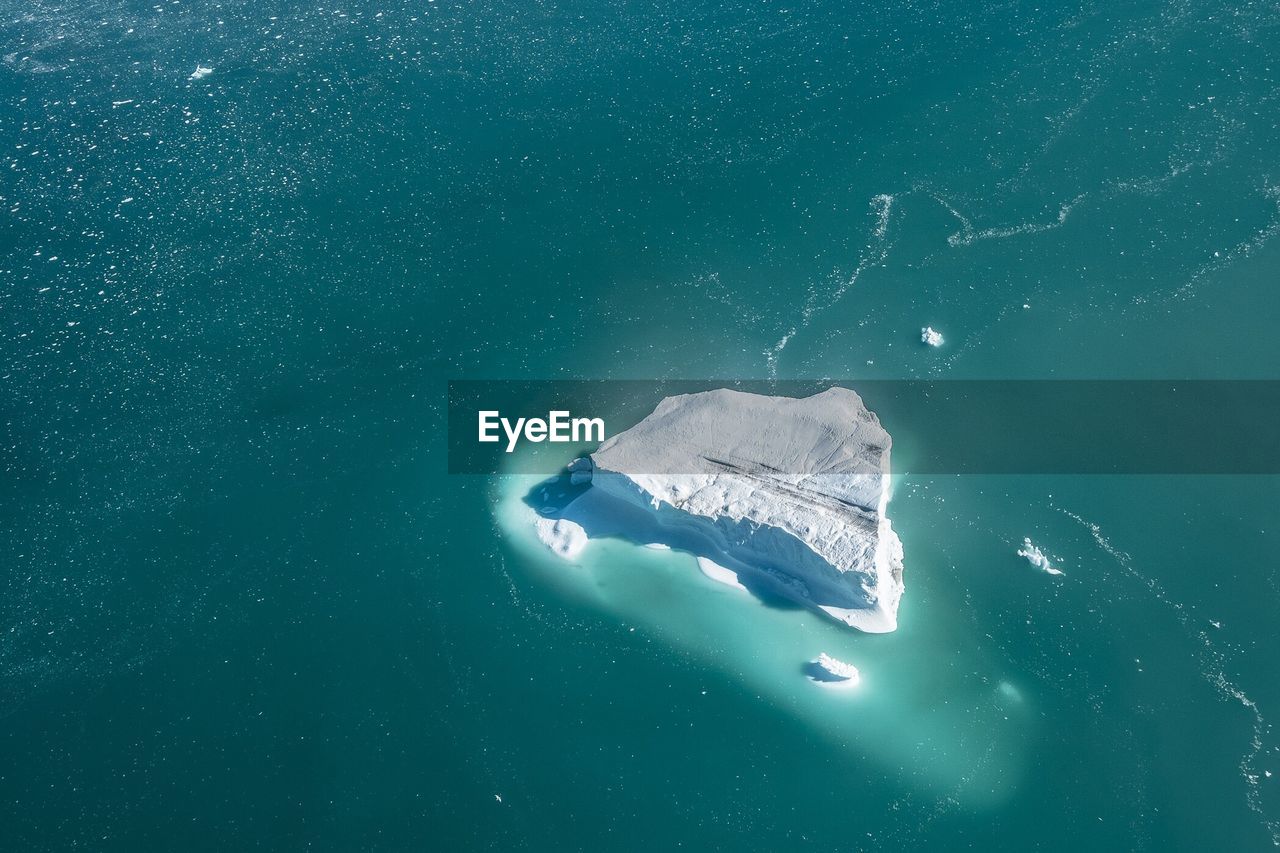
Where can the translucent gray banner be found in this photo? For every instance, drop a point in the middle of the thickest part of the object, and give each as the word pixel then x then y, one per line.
pixel 937 427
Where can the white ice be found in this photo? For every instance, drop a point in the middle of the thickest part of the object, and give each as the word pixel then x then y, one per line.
pixel 829 672
pixel 783 496
pixel 1037 558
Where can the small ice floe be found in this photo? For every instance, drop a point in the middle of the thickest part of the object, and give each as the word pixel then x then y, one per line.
pixel 829 672
pixel 931 336
pixel 1037 558
pixel 201 72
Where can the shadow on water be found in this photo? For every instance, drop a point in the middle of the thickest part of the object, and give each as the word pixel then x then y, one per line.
pixel 605 517
pixel 552 496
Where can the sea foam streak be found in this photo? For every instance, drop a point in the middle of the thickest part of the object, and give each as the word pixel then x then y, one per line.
pixel 1213 670
pixel 816 302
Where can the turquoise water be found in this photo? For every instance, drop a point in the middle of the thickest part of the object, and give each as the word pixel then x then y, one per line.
pixel 244 605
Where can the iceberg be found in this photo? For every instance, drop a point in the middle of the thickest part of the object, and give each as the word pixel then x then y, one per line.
pixel 931 336
pixel 784 497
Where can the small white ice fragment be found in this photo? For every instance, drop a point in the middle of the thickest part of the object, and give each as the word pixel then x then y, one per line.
pixel 201 72
pixel 931 336
pixel 829 672
pixel 1037 558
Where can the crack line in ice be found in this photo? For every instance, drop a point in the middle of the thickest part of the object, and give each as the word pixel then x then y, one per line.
pixel 1214 673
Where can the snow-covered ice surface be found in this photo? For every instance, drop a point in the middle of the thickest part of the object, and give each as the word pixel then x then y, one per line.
pixel 784 496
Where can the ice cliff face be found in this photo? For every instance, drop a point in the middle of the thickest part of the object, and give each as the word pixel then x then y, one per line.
pixel 789 494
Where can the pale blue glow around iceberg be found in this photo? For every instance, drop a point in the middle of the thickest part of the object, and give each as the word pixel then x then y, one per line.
pixel 929 704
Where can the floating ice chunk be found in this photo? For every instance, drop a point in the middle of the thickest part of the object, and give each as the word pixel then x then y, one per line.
pixel 1037 558
pixel 201 72
pixel 931 336
pixel 564 537
pixel 829 672
pixel 790 494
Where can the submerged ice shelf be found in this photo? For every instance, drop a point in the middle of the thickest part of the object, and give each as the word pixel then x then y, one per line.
pixel 670 587
pixel 784 497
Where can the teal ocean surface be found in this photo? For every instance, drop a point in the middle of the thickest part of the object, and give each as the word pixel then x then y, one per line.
pixel 245 246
